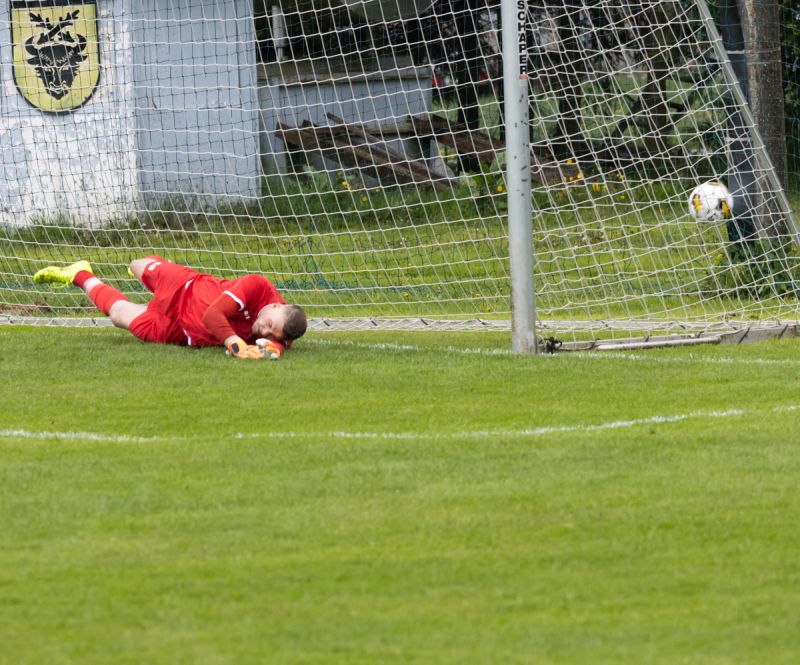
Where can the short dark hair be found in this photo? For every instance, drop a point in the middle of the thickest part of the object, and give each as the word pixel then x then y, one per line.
pixel 295 323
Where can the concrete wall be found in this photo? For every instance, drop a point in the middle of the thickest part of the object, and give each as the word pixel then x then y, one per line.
pixel 179 120
pixel 174 118
pixel 196 102
pixel 81 165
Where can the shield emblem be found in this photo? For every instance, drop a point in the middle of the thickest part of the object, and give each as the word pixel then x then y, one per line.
pixel 56 52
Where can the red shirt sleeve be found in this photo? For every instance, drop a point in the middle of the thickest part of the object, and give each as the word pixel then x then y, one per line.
pixel 216 317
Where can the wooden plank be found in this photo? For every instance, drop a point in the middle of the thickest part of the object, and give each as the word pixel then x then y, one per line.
pixel 380 153
pixel 469 142
pixel 336 144
pixel 398 129
pixel 418 167
pixel 324 141
pixel 465 141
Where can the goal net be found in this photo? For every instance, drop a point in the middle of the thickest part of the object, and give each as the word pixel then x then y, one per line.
pixel 354 153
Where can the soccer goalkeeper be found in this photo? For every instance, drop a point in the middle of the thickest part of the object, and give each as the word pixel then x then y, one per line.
pixel 246 315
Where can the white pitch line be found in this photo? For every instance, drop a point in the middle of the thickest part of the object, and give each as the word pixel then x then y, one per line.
pixel 530 432
pixel 579 355
pixel 533 432
pixel 75 436
pixel 389 346
pixel 553 429
pixel 618 355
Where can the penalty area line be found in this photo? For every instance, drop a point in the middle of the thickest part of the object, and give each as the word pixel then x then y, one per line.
pixel 526 433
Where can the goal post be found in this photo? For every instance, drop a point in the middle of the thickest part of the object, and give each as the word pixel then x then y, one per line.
pixel 389 167
pixel 518 175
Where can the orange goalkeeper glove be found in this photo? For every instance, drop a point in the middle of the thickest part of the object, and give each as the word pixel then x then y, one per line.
pixel 241 349
pixel 268 348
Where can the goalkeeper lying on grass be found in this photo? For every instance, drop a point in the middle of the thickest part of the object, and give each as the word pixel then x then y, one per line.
pixel 246 315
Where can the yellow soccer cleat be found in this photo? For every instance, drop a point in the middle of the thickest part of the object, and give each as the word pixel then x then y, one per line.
pixel 61 276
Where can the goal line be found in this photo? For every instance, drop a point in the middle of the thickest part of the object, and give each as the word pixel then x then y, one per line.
pixel 579 335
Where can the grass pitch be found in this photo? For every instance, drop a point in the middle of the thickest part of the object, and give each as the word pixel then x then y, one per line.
pixel 376 498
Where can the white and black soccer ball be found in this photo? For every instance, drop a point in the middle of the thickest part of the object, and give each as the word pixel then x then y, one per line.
pixel 711 202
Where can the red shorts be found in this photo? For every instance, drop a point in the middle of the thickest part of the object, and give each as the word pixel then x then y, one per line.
pixel 159 323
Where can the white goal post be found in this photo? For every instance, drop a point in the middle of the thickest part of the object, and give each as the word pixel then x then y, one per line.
pixel 396 164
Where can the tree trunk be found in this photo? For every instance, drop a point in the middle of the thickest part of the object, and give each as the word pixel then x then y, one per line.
pixel 762 45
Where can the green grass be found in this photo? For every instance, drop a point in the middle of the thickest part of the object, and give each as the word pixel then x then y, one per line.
pixel 363 502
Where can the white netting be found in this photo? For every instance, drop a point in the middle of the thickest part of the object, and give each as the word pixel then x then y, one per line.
pixel 355 156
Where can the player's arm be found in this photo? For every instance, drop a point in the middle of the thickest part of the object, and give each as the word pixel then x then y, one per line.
pixel 216 320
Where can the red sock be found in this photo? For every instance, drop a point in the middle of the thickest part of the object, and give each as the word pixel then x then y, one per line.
pixel 104 296
pixel 81 278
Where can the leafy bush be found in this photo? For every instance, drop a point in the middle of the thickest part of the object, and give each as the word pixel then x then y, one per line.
pixel 757 269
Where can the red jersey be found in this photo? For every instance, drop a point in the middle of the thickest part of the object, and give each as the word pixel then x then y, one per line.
pixel 181 298
pixel 251 293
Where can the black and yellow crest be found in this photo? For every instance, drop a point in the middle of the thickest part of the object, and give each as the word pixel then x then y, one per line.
pixel 56 52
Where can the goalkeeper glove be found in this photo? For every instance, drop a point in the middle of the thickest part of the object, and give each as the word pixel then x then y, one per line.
pixel 241 349
pixel 268 348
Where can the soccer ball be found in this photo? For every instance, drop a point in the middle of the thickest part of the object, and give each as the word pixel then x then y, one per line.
pixel 711 202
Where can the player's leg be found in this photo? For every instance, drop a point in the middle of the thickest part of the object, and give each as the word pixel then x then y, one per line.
pixel 109 300
pixel 160 276
pixel 165 279
pixel 138 266
pixel 106 298
pixel 123 312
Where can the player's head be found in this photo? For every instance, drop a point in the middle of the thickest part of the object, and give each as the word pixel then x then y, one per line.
pixel 282 323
